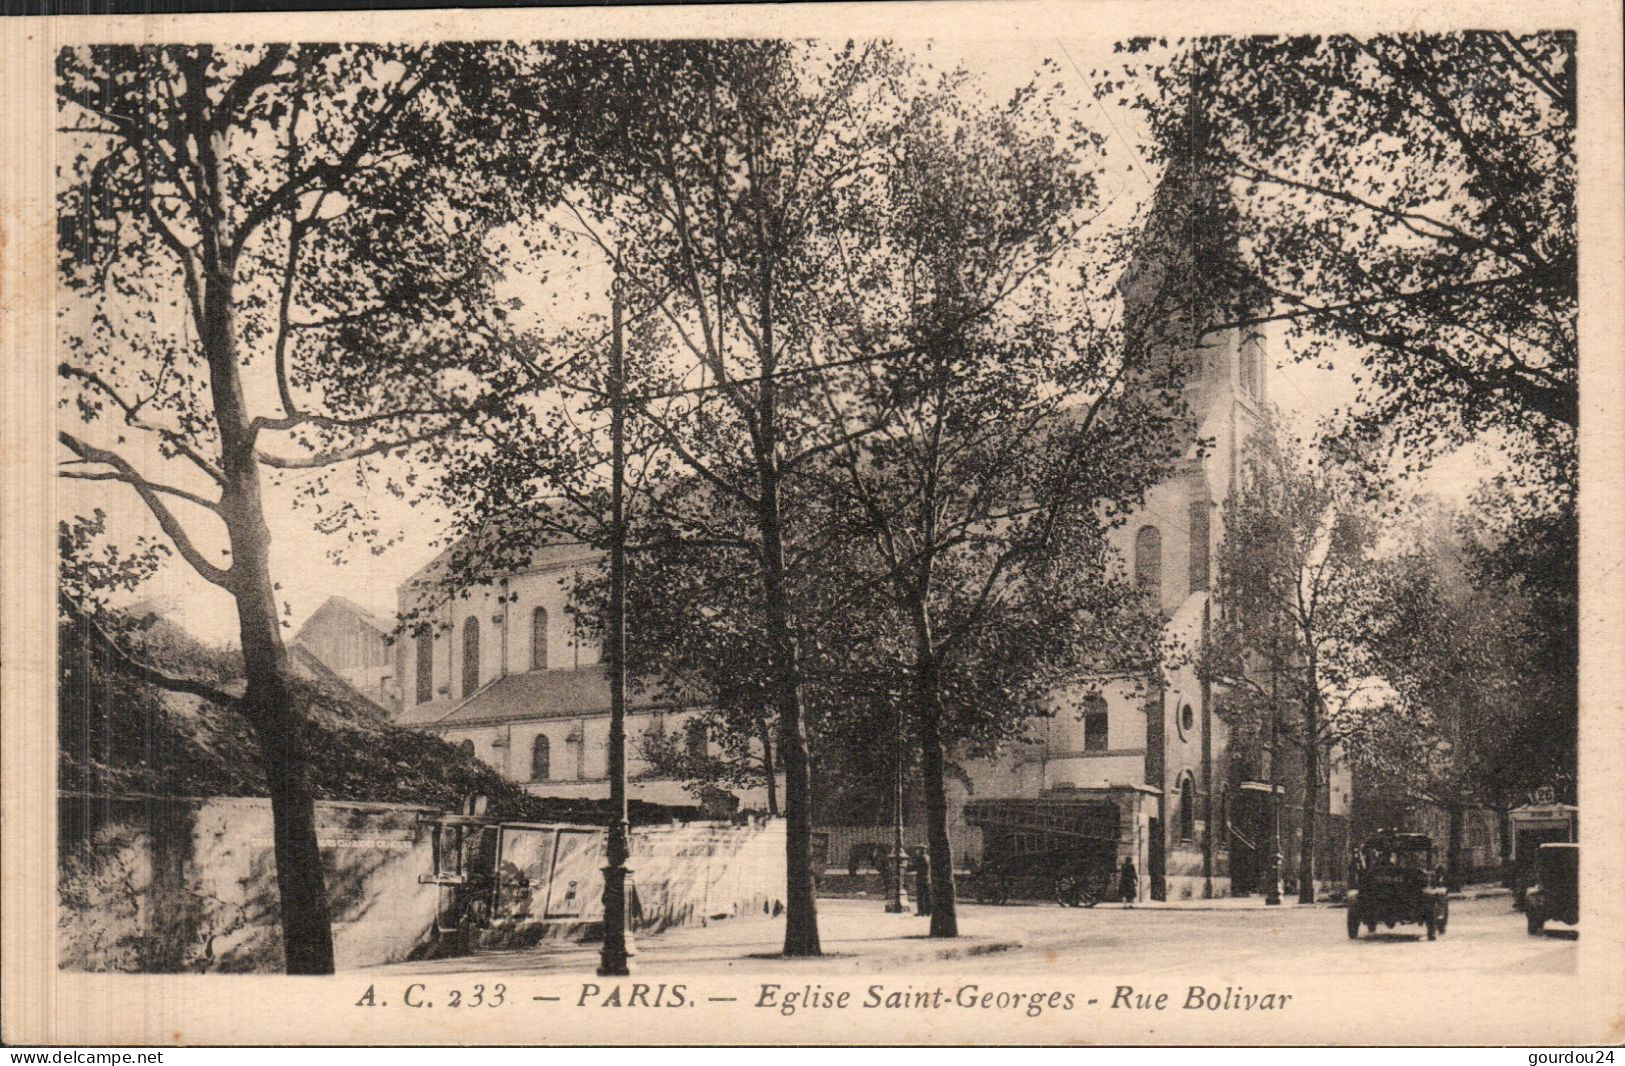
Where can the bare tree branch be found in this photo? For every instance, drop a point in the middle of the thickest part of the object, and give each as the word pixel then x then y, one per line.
pixel 149 495
pixel 128 664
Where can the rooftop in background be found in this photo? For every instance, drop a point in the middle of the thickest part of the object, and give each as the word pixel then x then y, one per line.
pixel 348 606
pixel 500 548
pixel 542 694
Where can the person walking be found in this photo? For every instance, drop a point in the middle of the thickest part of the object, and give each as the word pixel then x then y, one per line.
pixel 1128 883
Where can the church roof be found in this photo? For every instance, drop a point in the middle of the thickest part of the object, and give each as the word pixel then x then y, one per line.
pixel 500 548
pixel 544 694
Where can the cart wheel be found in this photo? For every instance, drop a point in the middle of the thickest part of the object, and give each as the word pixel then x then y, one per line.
pixel 991 888
pixel 1069 890
pixel 1354 926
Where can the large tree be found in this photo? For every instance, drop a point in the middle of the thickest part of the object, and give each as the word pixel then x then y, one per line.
pixel 1447 651
pixel 1410 199
pixel 271 258
pixel 1523 552
pixel 1477 642
pixel 709 166
pixel 1411 196
pixel 1290 646
pixel 983 470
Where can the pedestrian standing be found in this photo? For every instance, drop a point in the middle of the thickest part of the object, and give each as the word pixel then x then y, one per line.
pixel 1128 883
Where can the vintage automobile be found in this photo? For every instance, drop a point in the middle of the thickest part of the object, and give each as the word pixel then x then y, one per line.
pixel 1394 881
pixel 1555 896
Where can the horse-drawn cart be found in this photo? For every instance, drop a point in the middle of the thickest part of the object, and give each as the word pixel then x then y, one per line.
pixel 1053 848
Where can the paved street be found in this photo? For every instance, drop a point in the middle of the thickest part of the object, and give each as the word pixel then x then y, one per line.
pixel 1485 935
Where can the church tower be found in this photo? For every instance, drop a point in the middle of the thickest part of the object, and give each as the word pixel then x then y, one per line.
pixel 1156 751
pixel 1187 313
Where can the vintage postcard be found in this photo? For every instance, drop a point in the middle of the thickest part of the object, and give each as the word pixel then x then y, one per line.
pixel 926 523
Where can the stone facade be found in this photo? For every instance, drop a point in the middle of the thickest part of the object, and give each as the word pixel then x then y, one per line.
pixel 1157 747
pixel 505 670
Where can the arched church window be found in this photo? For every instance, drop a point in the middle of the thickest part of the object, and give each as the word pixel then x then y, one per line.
pixel 425 665
pixel 538 639
pixel 541 757
pixel 471 655
pixel 1251 357
pixel 1095 720
pixel 1201 545
pixel 1148 562
pixel 1187 809
pixel 698 741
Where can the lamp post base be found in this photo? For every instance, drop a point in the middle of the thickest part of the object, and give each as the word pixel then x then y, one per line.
pixel 896 898
pixel 1273 897
pixel 615 957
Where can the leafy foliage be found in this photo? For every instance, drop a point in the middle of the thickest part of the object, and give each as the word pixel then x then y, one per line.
pixel 1411 195
pixel 1297 590
pixel 272 260
pixel 118 735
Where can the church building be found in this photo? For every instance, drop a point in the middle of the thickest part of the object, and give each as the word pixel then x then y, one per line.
pixel 1194 802
pixel 503 670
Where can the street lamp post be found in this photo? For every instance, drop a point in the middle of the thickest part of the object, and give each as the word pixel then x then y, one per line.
pixel 615 958
pixel 1272 897
pixel 894 900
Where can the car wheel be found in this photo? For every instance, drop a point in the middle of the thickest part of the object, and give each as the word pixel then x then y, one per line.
pixel 1068 890
pixel 1354 926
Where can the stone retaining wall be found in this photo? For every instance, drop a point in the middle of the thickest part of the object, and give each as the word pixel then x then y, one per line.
pixel 170 885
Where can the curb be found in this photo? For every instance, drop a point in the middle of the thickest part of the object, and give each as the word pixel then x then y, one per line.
pixel 1209 909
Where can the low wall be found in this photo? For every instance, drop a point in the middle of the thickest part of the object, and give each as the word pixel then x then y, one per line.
pixel 189 885
pixel 550 880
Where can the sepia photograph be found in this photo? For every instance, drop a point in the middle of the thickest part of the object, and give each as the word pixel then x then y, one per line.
pixel 872 535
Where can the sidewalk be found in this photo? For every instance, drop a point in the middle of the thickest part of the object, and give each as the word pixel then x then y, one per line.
pixel 857 936
pixel 854 934
pixel 1221 903
pixel 1227 903
pixel 1288 900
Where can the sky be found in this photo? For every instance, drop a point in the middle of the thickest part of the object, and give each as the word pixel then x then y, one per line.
pixel 308 565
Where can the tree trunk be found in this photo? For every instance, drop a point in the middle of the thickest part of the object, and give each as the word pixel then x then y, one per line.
pixel 278 724
pixel 767 769
pixel 933 773
pixel 1311 801
pixel 268 704
pixel 944 904
pixel 307 932
pixel 1453 849
pixel 801 910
